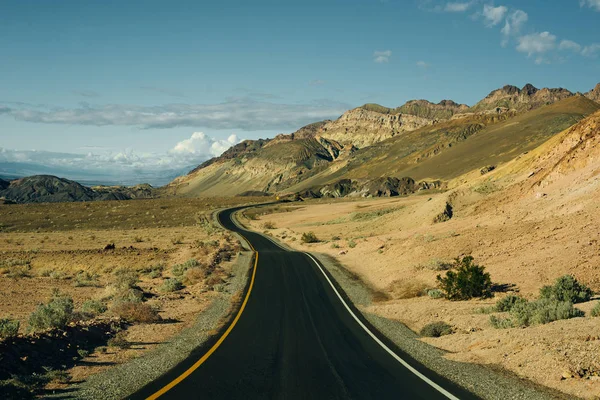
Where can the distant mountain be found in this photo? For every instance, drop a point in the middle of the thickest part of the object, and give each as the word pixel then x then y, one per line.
pixel 51 189
pixel 371 148
pixel 528 98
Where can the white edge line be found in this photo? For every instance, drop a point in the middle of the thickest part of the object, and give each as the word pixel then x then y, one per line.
pixel 400 360
pixel 383 345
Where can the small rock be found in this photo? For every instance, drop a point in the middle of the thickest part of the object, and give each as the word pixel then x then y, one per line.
pixel 341 253
pixel 566 375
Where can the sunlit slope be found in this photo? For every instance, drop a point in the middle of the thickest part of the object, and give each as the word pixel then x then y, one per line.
pixel 452 148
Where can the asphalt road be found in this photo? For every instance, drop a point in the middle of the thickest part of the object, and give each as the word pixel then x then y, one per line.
pixel 295 339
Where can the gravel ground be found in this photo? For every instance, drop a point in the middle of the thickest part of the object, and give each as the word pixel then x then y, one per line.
pixel 124 380
pixel 481 380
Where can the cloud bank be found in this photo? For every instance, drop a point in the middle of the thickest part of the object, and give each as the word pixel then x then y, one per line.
pixel 237 113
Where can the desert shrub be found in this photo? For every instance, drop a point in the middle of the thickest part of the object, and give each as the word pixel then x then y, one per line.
pixel 213 280
pixel 129 295
pixel 436 329
pixel 171 285
pixel 136 312
pixel 401 289
pixel 138 239
pixel 567 288
pixel 269 225
pixel 468 280
pixel 55 314
pixel 84 279
pixel 9 328
pixel 125 278
pixel 177 240
pixel 335 246
pixel 435 293
pixel 57 376
pixel 93 307
pixel 500 323
pixel 309 237
pixel 83 353
pixel 179 269
pixel 119 341
pixel 154 271
pixel 194 275
pixel 596 310
pixel 45 273
pixel 507 303
pixel 335 238
pixel 58 275
pixel 541 311
pixel 351 243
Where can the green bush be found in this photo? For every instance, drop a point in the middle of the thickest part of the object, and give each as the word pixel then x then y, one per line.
pixel 171 285
pixel 9 328
pixel 179 269
pixel 125 278
pixel 351 243
pixel 436 329
pixel 93 307
pixel 567 288
pixel 129 295
pixel 85 279
pixel 468 281
pixel 596 310
pixel 435 293
pixel 55 314
pixel 507 303
pixel 541 311
pixel 309 237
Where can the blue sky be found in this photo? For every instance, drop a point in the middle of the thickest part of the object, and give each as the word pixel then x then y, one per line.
pixel 126 84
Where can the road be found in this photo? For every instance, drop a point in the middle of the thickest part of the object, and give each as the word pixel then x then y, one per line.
pixel 295 339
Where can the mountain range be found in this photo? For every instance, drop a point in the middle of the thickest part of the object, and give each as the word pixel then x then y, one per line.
pixel 369 149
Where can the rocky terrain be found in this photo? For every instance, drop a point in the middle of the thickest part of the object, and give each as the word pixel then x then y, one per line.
pixel 51 189
pixel 528 98
pixel 421 140
pixel 529 221
pixel 594 94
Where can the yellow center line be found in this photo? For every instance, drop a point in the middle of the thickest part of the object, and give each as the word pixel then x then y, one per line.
pixel 198 363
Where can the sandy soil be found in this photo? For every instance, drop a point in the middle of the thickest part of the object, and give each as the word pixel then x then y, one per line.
pixel 525 236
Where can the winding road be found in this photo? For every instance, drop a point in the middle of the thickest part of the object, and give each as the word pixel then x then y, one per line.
pixel 295 338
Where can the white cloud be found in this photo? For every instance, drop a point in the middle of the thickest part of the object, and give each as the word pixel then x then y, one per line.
pixel 591 51
pixel 126 166
pixel 493 15
pixel 201 144
pixel 457 7
pixel 595 4
pixel 236 113
pixel 423 64
pixel 569 45
pixel 536 43
pixel 513 25
pixel 382 56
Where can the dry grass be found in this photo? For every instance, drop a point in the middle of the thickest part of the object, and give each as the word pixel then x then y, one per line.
pixel 403 289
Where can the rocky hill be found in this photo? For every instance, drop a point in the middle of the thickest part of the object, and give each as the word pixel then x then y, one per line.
pixel 51 189
pixel 594 94
pixel 528 98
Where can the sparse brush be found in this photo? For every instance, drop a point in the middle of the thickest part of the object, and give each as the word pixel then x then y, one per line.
pixel 436 329
pixel 125 278
pixel 402 289
pixel 541 311
pixel 179 269
pixel 194 275
pixel 136 312
pixel 351 243
pixel 93 307
pixel 128 295
pixel 507 303
pixel 177 240
pixel 9 328
pixel 309 237
pixel 20 271
pixel 55 314
pixel 596 310
pixel 83 353
pixel 119 340
pixel 85 279
pixel 269 225
pixel 435 293
pixel 567 288
pixel 138 239
pixel 57 376
pixel 171 285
